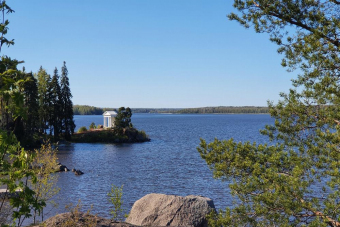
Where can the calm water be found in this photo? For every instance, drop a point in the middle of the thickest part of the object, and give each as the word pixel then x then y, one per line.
pixel 168 164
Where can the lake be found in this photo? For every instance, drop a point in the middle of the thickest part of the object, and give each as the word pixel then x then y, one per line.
pixel 168 164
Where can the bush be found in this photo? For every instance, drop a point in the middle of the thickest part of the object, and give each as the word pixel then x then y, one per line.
pixel 115 197
pixel 78 218
pixel 92 126
pixel 143 134
pixel 82 129
pixel 44 162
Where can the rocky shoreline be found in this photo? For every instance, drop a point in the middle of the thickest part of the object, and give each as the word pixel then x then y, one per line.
pixel 151 210
pixel 129 135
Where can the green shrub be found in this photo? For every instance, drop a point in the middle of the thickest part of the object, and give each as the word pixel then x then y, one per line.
pixel 115 197
pixel 143 134
pixel 92 126
pixel 82 129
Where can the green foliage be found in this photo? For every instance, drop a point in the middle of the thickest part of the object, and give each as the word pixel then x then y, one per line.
pixel 122 120
pixel 11 97
pixel 92 125
pixel 45 187
pixel 19 110
pixel 44 97
pixel 91 110
pixel 115 197
pixel 15 173
pixel 4 25
pixel 130 135
pixel 32 105
pixel 68 125
pixel 296 181
pixel 55 106
pixel 143 135
pixel 82 129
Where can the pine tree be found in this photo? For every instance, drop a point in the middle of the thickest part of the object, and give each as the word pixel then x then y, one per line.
pixel 55 106
pixel 31 104
pixel 44 80
pixel 295 181
pixel 67 105
pixel 122 120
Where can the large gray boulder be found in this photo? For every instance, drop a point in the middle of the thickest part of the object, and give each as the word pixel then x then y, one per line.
pixel 170 210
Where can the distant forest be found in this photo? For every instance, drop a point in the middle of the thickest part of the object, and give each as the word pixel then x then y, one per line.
pixel 91 110
pixel 226 110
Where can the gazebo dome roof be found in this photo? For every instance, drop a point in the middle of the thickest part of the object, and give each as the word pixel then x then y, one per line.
pixel 110 113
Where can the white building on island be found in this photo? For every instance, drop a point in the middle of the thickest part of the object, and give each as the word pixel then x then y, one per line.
pixel 109 119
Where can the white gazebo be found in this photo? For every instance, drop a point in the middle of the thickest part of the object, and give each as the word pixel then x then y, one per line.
pixel 109 118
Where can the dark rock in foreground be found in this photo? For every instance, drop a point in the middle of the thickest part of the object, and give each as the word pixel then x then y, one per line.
pixel 80 220
pixel 171 210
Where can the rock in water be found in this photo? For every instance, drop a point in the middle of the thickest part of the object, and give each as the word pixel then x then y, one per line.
pixel 78 172
pixel 170 210
pixel 60 168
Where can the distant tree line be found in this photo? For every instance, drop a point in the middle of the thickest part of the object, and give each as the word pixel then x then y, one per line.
pixel 91 110
pixel 226 110
pixel 45 100
pixel 155 110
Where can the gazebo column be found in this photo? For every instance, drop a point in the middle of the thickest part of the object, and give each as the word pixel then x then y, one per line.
pixel 105 122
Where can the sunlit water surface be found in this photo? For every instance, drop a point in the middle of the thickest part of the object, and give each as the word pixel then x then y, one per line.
pixel 169 164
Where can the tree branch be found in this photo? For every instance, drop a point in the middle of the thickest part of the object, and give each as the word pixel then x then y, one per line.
pixel 330 221
pixel 335 1
pixel 300 24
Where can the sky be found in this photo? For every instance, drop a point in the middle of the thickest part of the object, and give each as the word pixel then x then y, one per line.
pixel 148 53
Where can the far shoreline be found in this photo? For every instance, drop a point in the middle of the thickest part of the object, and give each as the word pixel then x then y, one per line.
pixel 91 110
pixel 184 114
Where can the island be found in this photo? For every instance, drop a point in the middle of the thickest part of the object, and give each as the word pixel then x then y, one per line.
pixel 117 128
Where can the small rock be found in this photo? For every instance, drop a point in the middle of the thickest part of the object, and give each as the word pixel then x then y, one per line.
pixel 78 172
pixel 63 168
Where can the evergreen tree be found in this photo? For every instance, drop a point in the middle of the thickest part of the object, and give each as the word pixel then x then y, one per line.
pixel 67 105
pixel 122 120
pixel 295 182
pixel 55 106
pixel 44 80
pixel 31 104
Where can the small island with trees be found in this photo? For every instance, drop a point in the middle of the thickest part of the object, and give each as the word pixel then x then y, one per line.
pixel 122 131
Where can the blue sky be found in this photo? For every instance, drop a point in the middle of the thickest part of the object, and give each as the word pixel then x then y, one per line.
pixel 148 53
